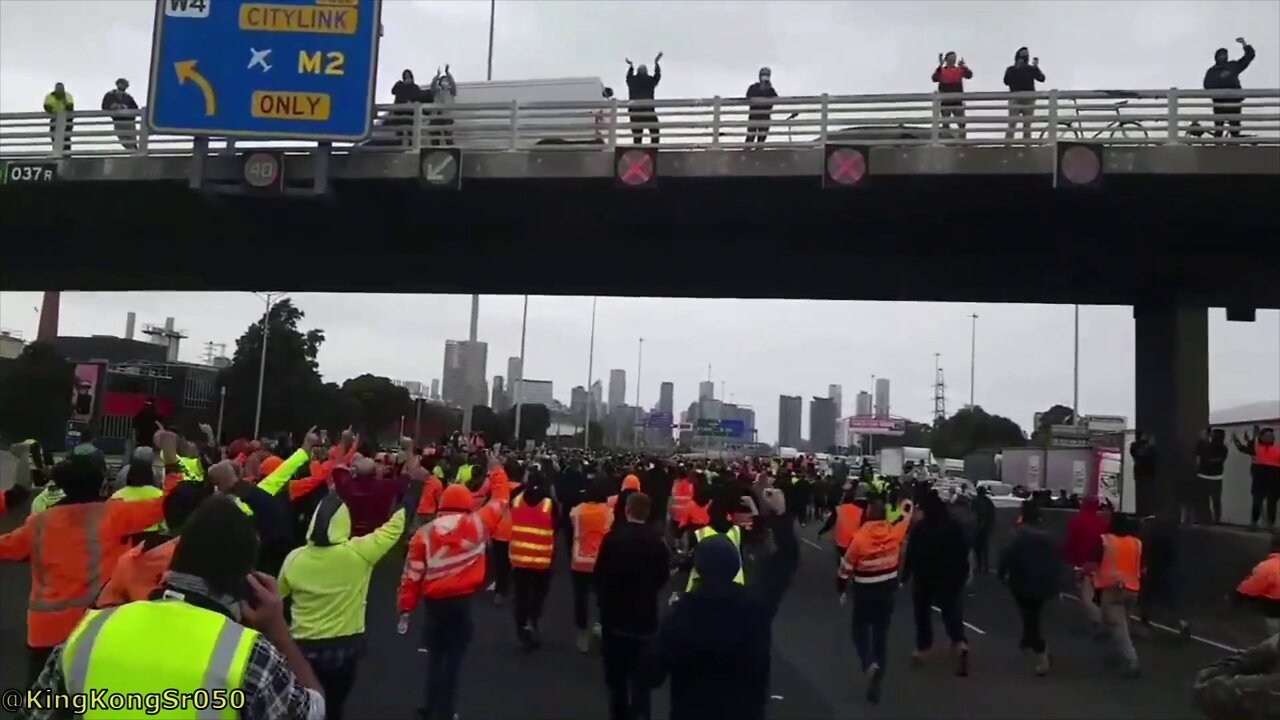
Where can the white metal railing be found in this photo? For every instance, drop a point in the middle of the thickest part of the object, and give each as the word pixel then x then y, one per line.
pixel 1138 117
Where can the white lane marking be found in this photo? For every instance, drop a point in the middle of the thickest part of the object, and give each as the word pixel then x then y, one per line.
pixel 810 543
pixel 1175 631
pixel 971 626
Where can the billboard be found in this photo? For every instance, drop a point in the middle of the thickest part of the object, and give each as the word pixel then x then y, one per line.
pixel 657 420
pixel 720 428
pixel 84 391
pixel 868 425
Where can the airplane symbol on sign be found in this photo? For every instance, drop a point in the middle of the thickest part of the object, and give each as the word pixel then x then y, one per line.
pixel 259 58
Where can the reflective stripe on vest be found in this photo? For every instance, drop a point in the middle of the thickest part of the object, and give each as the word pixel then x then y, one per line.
pixel 681 499
pixel 532 534
pixel 1121 563
pixel 443 562
pixel 735 536
pixel 101 651
pixel 93 563
pixel 191 470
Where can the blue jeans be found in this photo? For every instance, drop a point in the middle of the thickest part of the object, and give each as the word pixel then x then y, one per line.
pixel 446 636
pixel 872 611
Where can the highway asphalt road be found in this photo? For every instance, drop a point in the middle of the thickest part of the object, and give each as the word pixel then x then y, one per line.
pixel 814 670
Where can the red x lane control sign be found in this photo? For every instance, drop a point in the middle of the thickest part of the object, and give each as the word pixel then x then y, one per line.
pixel 1079 165
pixel 846 166
pixel 636 168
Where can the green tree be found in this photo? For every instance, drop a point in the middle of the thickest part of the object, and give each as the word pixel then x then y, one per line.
pixel 379 403
pixel 292 389
pixel 973 429
pixel 35 394
pixel 1056 415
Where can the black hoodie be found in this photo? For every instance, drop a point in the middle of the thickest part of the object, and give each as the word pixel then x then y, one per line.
pixel 1022 77
pixel 1226 75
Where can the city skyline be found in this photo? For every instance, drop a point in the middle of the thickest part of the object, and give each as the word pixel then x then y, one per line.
pixel 1028 347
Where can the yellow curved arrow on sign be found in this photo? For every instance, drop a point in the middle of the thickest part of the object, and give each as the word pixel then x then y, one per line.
pixel 187 71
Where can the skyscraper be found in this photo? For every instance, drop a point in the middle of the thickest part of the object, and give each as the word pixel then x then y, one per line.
pixel 578 399
pixel 499 401
pixel 617 389
pixel 882 397
pixel 862 404
pixel 435 388
pixel 666 398
pixel 463 377
pixel 790 413
pixel 822 423
pixel 836 393
pixel 706 390
pixel 514 371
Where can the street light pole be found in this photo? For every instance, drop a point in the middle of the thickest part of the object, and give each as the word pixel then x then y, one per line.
pixel 639 364
pixel 524 326
pixel 469 357
pixel 1075 379
pixel 973 356
pixel 222 406
pixel 488 75
pixel 268 301
pixel 591 358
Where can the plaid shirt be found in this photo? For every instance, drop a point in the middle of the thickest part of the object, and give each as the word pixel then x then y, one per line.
pixel 271 689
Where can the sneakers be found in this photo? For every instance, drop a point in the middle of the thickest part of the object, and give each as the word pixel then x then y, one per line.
pixel 584 641
pixel 596 632
pixel 1042 664
pixel 1184 631
pixel 875 675
pixel 962 659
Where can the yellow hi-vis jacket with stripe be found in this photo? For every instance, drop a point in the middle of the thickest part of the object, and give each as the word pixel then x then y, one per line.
pixel 735 536
pixel 115 650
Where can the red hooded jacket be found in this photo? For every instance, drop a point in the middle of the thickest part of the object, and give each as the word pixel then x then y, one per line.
pixel 1084 534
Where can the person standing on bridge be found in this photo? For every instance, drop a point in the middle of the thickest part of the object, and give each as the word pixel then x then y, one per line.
pixel 59 104
pixel 758 96
pixel 1264 472
pixel 950 77
pixel 1022 76
pixel 1224 74
pixel 119 102
pixel 640 87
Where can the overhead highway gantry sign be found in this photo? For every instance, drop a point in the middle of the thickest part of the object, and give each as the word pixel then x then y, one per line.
pixel 283 69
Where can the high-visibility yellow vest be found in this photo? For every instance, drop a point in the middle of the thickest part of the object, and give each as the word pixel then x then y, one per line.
pixel 130 493
pixel 191 469
pixel 464 475
pixel 735 536
pixel 66 103
pixel 109 650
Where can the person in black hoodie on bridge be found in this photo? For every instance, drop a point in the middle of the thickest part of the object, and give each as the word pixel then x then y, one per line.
pixel 1022 76
pixel 640 86
pixel 1224 74
pixel 937 560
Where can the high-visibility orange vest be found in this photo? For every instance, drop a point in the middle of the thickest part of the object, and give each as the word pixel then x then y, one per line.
pixel 429 503
pixel 591 521
pixel 1121 563
pixel 1266 454
pixel 697 516
pixel 681 499
pixel 1264 581
pixel 532 534
pixel 848 520
pixel 503 532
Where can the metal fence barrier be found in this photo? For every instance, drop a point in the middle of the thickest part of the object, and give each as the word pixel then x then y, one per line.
pixel 1114 117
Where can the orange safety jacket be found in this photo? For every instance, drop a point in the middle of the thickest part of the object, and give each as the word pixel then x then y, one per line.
pixel 432 489
pixel 698 516
pixel 874 553
pixel 1268 455
pixel 1121 563
pixel 848 520
pixel 137 574
pixel 446 556
pixel 503 531
pixel 73 550
pixel 681 499
pixel 532 534
pixel 1264 582
pixel 591 522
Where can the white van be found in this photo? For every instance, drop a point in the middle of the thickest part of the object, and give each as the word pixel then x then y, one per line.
pixel 490 128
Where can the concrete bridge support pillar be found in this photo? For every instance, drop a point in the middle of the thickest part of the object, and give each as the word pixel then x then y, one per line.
pixel 1171 383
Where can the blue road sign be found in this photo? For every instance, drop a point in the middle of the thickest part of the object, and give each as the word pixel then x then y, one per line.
pixel 658 420
pixel 285 69
pixel 720 428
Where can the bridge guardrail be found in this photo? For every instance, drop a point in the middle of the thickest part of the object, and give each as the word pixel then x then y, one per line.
pixel 1115 117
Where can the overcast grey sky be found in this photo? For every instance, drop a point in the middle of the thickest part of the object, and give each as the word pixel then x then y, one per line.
pixel 759 349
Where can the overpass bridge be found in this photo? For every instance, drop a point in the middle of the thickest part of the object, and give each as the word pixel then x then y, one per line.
pixel 1109 197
